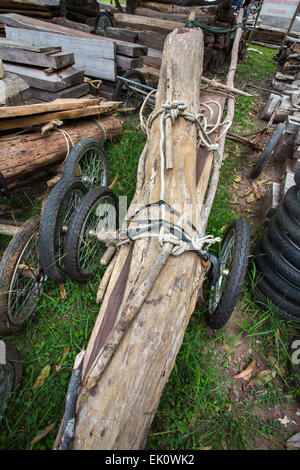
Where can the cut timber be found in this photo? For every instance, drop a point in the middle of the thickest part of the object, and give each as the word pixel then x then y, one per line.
pixel 75 91
pixel 15 123
pixel 145 23
pixel 18 21
pixel 39 79
pixel 121 406
pixel 57 60
pixel 129 63
pixel 14 90
pixel 145 38
pixel 16 45
pixel 94 59
pixel 208 10
pixel 57 105
pixel 180 17
pixel 22 155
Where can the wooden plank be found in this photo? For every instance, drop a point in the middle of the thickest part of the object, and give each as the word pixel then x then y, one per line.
pixel 129 63
pixel 180 17
pixel 75 91
pixel 96 61
pixel 18 45
pixel 145 21
pixel 62 115
pixel 146 38
pixel 18 21
pixel 57 105
pixel 39 79
pixel 56 60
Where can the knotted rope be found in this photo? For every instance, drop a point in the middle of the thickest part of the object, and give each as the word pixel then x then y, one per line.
pixel 173 110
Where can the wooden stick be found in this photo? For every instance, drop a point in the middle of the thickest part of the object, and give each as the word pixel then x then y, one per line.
pixel 104 281
pixel 217 84
pixel 230 115
pixel 108 255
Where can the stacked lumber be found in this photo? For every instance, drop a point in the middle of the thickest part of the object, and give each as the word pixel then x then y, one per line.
pixel 271 35
pixel 30 8
pixel 153 21
pixel 47 70
pixel 96 56
pixel 80 10
pixel 26 154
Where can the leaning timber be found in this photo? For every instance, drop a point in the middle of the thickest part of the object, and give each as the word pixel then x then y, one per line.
pixel 117 411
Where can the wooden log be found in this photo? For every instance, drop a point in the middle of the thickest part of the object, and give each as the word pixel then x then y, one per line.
pixel 22 155
pixel 129 63
pixel 7 124
pixel 119 410
pixel 39 79
pixel 18 21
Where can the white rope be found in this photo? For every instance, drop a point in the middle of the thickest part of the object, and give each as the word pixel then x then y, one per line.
pixel 66 136
pixel 172 110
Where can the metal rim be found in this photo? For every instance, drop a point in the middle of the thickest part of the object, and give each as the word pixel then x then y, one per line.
pixel 131 97
pixel 91 168
pixel 66 211
pixel 26 285
pixel 89 252
pixel 225 262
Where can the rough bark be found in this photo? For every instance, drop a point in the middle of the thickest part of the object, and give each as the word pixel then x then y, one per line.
pixel 23 154
pixel 117 412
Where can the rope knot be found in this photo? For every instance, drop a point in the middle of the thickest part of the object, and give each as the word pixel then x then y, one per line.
pixel 173 109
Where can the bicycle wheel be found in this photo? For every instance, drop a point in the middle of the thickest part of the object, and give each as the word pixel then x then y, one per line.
pixel 21 278
pixel 63 200
pixel 88 161
pixel 130 98
pixel 98 210
pixel 102 21
pixel 233 264
pixel 10 375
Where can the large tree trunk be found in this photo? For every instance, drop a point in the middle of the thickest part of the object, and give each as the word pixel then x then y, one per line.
pixel 22 155
pixel 116 409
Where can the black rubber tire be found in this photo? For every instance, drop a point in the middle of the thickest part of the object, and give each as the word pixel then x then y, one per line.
pixel 10 260
pixel 107 22
pixel 10 373
pixel 267 272
pixel 78 152
pixel 268 150
pixel 277 260
pixel 291 201
pixel 273 294
pixel 283 244
pixel 233 285
pixel 75 233
pixel 13 356
pixel 297 177
pixel 50 226
pixel 131 75
pixel 287 223
pixel 262 298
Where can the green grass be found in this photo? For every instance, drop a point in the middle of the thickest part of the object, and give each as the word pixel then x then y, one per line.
pixel 198 407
